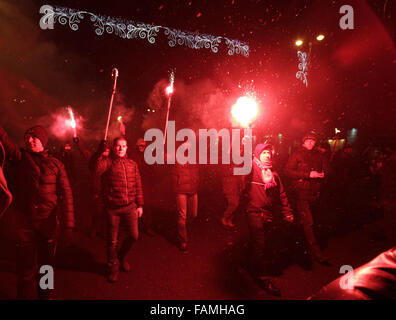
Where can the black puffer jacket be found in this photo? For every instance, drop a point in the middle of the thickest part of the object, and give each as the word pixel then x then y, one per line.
pixel 41 183
pixel 298 169
pixel 185 178
pixel 121 181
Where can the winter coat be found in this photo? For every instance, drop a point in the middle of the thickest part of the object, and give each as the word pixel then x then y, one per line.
pixel 120 180
pixel 185 178
pixel 298 169
pixel 42 184
pixel 266 200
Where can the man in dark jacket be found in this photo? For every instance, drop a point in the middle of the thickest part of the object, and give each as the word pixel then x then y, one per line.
pixel 41 187
pixel 185 184
pixel 266 193
pixel 307 168
pixel 122 189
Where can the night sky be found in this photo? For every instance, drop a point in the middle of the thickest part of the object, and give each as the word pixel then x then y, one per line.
pixel 351 76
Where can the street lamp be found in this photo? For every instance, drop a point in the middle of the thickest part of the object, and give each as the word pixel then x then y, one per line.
pixel 304 59
pixel 299 43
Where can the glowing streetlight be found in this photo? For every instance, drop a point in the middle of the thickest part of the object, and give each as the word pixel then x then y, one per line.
pixel 320 37
pixel 299 43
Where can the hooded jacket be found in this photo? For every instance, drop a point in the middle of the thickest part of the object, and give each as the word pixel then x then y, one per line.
pixel 263 199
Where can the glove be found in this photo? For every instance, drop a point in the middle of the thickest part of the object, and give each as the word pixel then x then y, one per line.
pixel 289 218
pixel 102 146
pixel 76 140
pixel 68 237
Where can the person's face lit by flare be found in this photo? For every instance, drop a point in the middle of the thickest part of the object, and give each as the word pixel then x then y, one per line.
pixel 33 143
pixel 120 148
pixel 265 156
pixel 309 144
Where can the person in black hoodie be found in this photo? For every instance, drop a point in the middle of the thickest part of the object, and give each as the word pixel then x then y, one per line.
pixel 265 194
pixel 42 186
pixel 307 168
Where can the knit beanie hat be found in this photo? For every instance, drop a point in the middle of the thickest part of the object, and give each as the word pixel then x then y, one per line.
pixel 263 146
pixel 309 135
pixel 39 132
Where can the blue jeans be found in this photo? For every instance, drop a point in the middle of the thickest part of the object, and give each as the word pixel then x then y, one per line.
pixel 129 218
pixel 186 203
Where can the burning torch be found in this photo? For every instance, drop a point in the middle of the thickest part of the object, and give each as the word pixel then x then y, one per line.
pixel 114 74
pixel 72 122
pixel 169 92
pixel 244 111
pixel 122 125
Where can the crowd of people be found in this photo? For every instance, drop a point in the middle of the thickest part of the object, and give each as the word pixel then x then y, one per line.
pixel 124 186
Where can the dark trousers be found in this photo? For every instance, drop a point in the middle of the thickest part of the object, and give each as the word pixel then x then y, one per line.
pixel 259 227
pixel 186 203
pixel 128 217
pixel 306 220
pixel 35 246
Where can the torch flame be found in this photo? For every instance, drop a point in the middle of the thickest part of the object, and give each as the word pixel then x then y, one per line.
pixel 244 111
pixel 169 89
pixel 119 118
pixel 72 122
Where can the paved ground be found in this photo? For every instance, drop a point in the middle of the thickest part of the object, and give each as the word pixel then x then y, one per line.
pixel 215 268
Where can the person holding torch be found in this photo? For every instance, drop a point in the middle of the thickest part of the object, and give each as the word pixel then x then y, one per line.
pixel 265 194
pixel 123 197
pixel 42 188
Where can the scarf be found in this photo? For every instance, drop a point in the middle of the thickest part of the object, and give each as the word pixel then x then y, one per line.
pixel 266 173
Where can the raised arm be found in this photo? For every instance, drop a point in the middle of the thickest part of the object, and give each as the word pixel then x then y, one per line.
pixel 11 149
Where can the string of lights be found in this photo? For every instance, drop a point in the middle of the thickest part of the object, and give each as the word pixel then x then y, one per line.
pixel 128 29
